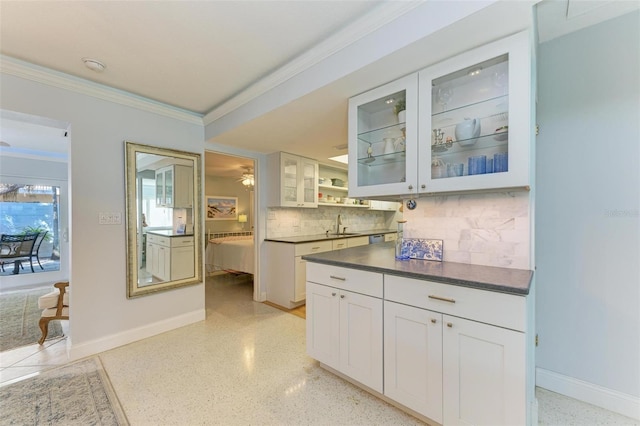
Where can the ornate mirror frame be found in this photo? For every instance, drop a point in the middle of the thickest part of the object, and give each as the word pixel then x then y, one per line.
pixel 159 257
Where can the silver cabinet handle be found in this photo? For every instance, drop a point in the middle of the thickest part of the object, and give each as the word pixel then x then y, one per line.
pixel 410 186
pixel 337 278
pixel 342 296
pixel 444 299
pixel 315 248
pixel 333 294
pixel 423 186
pixel 449 325
pixel 433 320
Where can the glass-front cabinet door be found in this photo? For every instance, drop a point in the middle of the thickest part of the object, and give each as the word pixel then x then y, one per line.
pixel 289 180
pixel 299 181
pixel 168 187
pixel 383 148
pixel 309 182
pixel 160 188
pixel 475 122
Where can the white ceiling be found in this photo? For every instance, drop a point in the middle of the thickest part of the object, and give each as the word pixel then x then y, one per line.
pixel 213 57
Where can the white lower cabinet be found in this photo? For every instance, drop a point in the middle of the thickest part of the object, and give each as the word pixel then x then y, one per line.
pixel 344 328
pixel 413 358
pixel 455 355
pixel 170 258
pixel 484 367
pixel 286 270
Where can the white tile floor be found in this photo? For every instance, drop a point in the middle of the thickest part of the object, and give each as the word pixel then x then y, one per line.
pixel 246 364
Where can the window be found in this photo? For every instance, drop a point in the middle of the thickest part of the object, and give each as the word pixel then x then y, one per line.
pixel 29 209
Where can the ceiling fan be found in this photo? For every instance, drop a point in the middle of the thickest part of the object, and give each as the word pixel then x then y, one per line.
pixel 247 178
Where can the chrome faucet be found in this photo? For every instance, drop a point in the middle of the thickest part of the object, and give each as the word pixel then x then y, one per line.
pixel 339 223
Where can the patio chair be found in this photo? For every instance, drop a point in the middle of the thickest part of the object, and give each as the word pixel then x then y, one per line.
pixel 15 248
pixel 36 247
pixel 55 306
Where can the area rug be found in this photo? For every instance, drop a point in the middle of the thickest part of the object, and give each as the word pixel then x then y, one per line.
pixel 19 316
pixel 74 394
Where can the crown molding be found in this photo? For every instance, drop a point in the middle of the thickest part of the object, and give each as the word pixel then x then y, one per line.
pixel 29 71
pixel 377 18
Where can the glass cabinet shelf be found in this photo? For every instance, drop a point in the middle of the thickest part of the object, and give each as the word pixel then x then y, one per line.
pixel 486 142
pixel 383 159
pixel 488 108
pixel 377 135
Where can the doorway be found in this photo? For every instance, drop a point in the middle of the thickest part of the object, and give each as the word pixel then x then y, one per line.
pixel 230 218
pixel 34 180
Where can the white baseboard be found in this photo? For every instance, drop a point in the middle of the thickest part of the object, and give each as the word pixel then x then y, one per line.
pixel 618 402
pixel 109 342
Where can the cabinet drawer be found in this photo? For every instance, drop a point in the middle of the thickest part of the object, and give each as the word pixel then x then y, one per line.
pixel 158 239
pixel 339 244
pixel 314 247
pixel 490 307
pixel 182 241
pixel 357 241
pixel 364 282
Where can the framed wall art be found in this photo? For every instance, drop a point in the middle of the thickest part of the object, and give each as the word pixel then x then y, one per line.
pixel 221 208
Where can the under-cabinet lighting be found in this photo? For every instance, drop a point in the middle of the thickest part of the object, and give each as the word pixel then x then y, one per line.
pixel 475 71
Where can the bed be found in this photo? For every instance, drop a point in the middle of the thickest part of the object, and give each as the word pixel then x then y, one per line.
pixel 230 254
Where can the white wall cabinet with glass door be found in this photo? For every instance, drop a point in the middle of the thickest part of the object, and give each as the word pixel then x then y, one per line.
pixel 296 181
pixel 174 186
pixel 383 145
pixel 468 126
pixel 475 125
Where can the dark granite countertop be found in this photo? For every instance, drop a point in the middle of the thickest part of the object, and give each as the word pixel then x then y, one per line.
pixel 168 233
pixel 324 237
pixel 380 258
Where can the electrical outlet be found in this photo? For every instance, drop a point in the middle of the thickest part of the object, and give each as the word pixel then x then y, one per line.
pixel 271 215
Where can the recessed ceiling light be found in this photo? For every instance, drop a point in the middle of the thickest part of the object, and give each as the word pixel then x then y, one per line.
pixel 94 64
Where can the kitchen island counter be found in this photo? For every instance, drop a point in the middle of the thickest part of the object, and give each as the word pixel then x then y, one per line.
pixel 380 258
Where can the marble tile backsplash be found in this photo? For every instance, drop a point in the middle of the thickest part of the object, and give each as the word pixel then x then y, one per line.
pixel 491 229
pixel 290 222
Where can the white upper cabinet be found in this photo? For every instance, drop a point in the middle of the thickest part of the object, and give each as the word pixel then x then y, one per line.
pixel 383 145
pixel 475 124
pixel 468 126
pixel 174 186
pixel 296 181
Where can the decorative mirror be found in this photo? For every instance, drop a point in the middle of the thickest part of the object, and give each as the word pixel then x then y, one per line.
pixel 163 219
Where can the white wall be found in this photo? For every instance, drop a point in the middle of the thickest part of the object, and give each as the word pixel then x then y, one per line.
pixel 101 315
pixel 588 200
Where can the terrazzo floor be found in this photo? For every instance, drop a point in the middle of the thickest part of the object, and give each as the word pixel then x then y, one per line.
pixel 246 364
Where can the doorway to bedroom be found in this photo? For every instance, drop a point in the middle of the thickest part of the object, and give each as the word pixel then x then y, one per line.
pixel 230 217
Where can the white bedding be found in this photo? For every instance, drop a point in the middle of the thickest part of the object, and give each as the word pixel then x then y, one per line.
pixel 230 254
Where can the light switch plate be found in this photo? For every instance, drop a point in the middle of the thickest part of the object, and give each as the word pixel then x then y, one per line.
pixel 109 218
